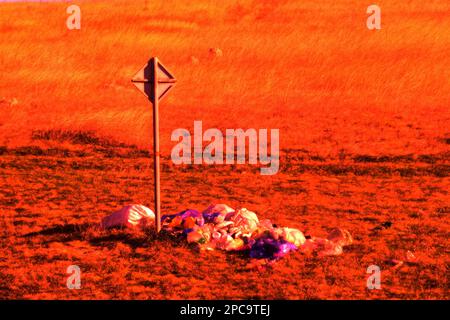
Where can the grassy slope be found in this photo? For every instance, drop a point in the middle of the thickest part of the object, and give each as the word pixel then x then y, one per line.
pixel 342 86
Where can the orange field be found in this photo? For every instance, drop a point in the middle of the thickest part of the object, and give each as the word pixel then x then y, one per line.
pixel 364 120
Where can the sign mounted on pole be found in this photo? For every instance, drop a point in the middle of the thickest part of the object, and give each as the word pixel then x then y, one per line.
pixel 154 81
pixel 145 78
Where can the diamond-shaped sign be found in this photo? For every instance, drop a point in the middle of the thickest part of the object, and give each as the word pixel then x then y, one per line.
pixel 154 80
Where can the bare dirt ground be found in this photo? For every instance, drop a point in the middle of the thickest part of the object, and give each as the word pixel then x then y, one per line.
pixel 53 199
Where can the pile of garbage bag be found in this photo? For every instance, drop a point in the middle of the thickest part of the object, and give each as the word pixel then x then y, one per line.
pixel 221 227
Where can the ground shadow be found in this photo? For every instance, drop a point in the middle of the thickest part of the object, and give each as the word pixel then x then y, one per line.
pixel 62 233
pixel 96 236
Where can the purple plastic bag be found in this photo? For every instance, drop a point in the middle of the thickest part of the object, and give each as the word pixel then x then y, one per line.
pixel 209 217
pixel 269 248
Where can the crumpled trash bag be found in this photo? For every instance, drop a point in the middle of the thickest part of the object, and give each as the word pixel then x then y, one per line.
pixel 269 248
pixel 333 245
pixel 199 234
pixel 129 216
pixel 245 222
pixel 291 235
pixel 210 237
pixel 340 236
pixel 323 247
pixel 183 220
pixel 216 213
pixel 224 242
pixel 224 228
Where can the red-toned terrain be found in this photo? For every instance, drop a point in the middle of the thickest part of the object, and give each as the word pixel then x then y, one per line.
pixel 364 139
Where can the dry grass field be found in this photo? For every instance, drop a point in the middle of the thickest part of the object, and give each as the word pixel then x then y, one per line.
pixel 364 124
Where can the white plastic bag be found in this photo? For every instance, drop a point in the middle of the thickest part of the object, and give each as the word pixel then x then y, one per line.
pixel 129 216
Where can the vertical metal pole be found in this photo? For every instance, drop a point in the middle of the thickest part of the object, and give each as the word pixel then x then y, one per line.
pixel 156 145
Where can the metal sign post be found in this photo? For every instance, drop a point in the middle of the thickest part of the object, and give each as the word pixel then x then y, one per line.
pixel 154 81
